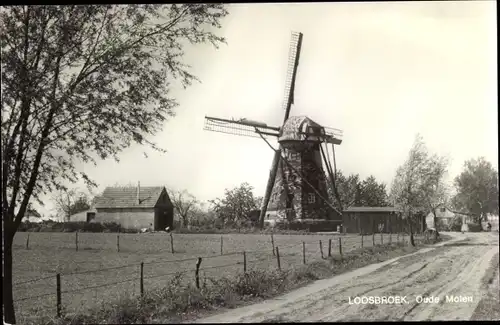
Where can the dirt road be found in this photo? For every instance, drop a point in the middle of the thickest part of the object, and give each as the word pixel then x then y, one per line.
pixel 441 283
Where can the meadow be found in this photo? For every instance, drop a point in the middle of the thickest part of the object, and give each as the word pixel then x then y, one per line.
pixel 98 274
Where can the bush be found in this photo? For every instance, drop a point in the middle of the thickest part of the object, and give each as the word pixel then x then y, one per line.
pixel 73 226
pixel 475 227
pixel 311 225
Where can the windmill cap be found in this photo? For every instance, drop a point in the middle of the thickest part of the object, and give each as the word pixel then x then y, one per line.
pixel 300 128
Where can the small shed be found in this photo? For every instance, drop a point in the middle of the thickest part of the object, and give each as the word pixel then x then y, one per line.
pixel 135 207
pixel 368 220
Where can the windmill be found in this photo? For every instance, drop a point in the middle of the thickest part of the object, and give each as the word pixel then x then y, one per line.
pixel 297 184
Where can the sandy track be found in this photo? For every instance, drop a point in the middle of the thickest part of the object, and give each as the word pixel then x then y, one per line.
pixel 451 269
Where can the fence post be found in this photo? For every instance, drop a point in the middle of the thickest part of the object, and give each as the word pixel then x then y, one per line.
pixel 373 239
pixel 403 239
pixel 244 262
pixel 397 238
pixel 330 247
pixel 362 240
pixel 76 240
pixel 390 238
pixel 197 273
pixel 304 252
pixel 272 242
pixel 321 249
pixel 278 258
pixel 142 279
pixel 58 294
pixel 221 245
pixel 172 243
pixel 28 242
pixel 381 238
pixel 118 242
pixel 340 246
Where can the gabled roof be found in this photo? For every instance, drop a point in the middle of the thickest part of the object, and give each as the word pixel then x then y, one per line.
pixel 126 197
pixel 455 211
pixel 371 209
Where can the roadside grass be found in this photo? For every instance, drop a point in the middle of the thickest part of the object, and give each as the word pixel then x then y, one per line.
pixel 181 301
pixel 488 307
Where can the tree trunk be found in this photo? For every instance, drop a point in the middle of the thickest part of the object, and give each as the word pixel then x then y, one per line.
pixel 412 240
pixel 436 233
pixel 8 301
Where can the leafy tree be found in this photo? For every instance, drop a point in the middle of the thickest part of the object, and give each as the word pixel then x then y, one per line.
pixel 433 188
pixel 414 186
pixel 184 204
pixel 348 188
pixel 70 202
pixel 477 189
pixel 82 82
pixel 373 194
pixel 235 207
pixel 354 192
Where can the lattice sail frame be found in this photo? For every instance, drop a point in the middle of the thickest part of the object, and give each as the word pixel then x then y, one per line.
pixel 240 128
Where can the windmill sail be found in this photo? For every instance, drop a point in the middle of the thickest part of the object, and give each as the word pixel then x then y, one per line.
pixel 241 127
pixel 293 63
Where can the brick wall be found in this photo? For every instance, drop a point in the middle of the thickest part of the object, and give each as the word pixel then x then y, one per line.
pixel 291 194
pixel 127 218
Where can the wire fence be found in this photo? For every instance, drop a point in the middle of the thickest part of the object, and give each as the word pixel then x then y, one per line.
pixel 72 291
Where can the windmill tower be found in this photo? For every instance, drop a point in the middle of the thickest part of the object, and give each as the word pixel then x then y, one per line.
pixel 297 184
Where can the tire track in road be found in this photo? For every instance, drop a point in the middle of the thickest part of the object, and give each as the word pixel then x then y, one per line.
pixel 435 271
pixel 311 306
pixel 344 312
pixel 459 262
pixel 384 312
pixel 331 302
pixel 466 284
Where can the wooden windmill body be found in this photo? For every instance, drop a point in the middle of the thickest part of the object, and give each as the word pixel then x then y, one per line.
pixel 297 186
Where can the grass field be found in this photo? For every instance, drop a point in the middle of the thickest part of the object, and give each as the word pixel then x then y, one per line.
pixel 98 274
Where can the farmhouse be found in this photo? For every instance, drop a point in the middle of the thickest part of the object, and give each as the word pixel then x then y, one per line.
pixel 368 220
pixel 445 216
pixel 135 207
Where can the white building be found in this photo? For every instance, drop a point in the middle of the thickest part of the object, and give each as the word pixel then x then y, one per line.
pixel 445 216
pixel 85 216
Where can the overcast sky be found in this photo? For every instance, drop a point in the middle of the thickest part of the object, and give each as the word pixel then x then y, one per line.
pixel 381 72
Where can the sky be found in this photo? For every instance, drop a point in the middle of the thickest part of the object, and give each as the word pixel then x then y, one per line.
pixel 381 72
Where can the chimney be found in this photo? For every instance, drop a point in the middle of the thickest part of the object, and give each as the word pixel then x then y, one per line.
pixel 138 192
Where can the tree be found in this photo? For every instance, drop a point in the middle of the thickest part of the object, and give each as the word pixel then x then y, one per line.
pixel 235 207
pixel 477 189
pixel 412 188
pixel 348 188
pixel 184 204
pixel 82 82
pixel 433 189
pixel 354 192
pixel 70 202
pixel 373 194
